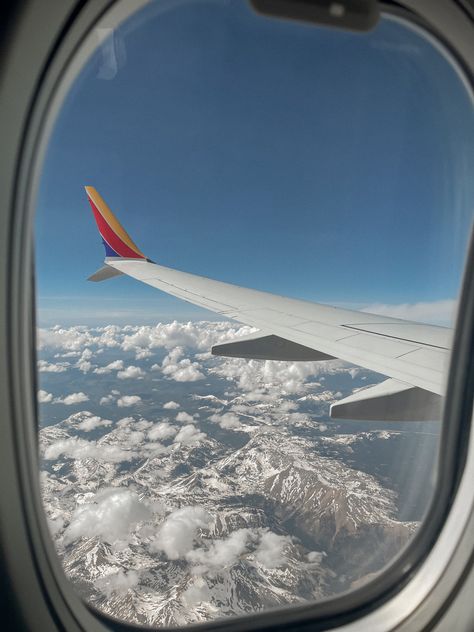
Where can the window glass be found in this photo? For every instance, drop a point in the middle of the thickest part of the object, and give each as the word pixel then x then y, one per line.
pixel 307 162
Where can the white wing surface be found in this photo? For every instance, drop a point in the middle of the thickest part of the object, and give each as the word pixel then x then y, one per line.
pixel 413 355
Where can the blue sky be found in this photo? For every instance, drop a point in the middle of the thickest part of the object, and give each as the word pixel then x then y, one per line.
pixel 325 165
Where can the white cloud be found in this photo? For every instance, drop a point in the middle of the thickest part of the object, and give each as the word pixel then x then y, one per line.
pixel 186 372
pixel 179 531
pixel 44 397
pixel 204 356
pixel 435 312
pixel 77 338
pixel 184 417
pixel 221 553
pixel 72 399
pixel 173 356
pixel 143 424
pixel 117 365
pixel 196 593
pixel 84 364
pixel 141 354
pixel 125 422
pixel 55 525
pixel 110 515
pixel 189 435
pixel 75 448
pixel 128 400
pixel 171 405
pixel 117 583
pixel 93 422
pixel 102 370
pixel 49 367
pixel 259 380
pixel 130 372
pixel 110 398
pixel 135 437
pixel 154 448
pixel 229 421
pixel 196 336
pixel 269 552
pixel 180 370
pixel 316 557
pixel 162 430
pixel 268 379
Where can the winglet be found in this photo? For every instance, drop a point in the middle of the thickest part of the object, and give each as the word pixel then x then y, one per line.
pixel 116 240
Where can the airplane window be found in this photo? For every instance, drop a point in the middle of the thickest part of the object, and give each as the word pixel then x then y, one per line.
pixel 210 450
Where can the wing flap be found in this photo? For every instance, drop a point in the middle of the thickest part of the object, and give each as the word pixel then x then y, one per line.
pixel 389 401
pixel 268 347
pixel 439 337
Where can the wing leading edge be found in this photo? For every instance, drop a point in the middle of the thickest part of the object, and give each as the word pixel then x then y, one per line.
pixel 413 355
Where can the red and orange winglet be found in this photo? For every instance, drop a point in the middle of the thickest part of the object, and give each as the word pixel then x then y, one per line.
pixel 117 241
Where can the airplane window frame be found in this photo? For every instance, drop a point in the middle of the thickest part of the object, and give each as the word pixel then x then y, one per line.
pixel 68 28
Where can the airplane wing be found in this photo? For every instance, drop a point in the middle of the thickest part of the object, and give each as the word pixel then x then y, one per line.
pixel 413 355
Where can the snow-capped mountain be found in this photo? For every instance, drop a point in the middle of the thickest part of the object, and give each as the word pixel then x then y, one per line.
pixel 181 488
pixel 270 523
